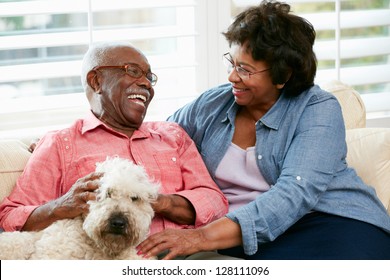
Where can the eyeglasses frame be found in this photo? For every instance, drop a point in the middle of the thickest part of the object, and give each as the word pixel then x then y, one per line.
pixel 152 81
pixel 239 69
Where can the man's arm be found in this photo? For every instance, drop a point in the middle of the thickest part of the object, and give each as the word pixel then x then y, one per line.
pixel 68 206
pixel 176 208
pixel 207 200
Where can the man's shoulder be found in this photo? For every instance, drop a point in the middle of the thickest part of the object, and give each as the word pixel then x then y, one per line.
pixel 165 131
pixel 63 133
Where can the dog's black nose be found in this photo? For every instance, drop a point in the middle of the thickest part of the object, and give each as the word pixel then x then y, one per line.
pixel 118 224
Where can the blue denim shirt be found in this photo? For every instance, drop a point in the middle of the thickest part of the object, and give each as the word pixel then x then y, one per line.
pixel 301 152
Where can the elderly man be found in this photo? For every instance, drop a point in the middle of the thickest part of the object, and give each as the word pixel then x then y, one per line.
pixel 58 180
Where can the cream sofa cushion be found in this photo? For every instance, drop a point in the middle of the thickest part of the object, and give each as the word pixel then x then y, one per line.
pixel 14 155
pixel 369 154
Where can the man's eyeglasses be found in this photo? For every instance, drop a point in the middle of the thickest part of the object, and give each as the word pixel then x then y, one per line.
pixel 243 73
pixel 133 70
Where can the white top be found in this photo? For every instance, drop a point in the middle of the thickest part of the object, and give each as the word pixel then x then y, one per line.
pixel 239 177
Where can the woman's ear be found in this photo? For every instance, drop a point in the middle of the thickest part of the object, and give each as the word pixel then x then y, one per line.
pixel 93 80
pixel 280 86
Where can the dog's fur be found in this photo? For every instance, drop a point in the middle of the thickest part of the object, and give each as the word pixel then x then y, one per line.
pixel 117 221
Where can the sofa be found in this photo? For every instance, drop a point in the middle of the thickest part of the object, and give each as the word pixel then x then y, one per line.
pixel 368 148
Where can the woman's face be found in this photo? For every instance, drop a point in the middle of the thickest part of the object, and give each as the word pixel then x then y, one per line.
pixel 256 89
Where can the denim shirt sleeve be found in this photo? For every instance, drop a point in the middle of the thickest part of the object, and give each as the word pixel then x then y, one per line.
pixel 300 154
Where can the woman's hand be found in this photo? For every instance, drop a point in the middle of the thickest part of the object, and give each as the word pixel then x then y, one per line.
pixel 177 242
pixel 220 234
pixel 33 144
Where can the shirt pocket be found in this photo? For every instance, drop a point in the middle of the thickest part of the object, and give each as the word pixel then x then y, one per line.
pixel 87 164
pixel 170 172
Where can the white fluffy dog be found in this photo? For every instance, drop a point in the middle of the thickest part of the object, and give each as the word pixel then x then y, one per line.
pixel 117 221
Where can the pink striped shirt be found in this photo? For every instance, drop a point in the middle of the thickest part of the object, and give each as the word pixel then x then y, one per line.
pixel 164 149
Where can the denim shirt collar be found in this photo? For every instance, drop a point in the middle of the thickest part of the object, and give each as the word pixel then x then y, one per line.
pixel 231 113
pixel 272 119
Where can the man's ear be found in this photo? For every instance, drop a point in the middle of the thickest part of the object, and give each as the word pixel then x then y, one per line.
pixel 93 80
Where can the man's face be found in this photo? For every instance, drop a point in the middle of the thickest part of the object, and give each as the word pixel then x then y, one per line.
pixel 123 99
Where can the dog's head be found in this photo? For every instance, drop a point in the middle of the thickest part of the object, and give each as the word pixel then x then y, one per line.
pixel 121 215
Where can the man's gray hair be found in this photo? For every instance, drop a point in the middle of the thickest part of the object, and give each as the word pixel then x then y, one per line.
pixel 98 54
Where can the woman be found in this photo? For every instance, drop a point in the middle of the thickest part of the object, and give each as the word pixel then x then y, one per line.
pixel 275 144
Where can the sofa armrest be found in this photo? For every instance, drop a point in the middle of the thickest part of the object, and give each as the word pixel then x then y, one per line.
pixel 14 155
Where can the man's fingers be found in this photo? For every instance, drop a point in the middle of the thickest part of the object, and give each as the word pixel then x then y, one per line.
pixel 87 196
pixel 91 177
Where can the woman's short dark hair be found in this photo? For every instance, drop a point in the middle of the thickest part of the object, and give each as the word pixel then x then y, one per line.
pixel 281 39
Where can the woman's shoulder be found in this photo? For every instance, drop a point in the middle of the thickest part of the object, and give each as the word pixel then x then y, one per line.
pixel 210 103
pixel 317 94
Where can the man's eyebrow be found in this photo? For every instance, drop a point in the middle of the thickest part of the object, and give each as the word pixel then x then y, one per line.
pixel 133 63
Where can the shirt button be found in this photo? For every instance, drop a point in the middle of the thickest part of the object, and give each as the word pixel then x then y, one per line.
pixel 259 157
pixel 299 178
pixel 174 159
pixel 67 147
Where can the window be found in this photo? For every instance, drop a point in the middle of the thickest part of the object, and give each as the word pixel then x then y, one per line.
pixel 42 44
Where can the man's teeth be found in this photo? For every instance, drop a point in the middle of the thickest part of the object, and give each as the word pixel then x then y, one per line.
pixel 137 96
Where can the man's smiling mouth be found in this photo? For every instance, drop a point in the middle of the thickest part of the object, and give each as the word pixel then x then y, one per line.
pixel 137 97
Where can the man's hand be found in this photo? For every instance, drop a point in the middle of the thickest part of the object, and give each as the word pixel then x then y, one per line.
pixel 176 208
pixel 75 201
pixel 68 206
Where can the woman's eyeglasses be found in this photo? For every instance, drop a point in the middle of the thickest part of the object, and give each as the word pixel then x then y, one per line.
pixel 243 73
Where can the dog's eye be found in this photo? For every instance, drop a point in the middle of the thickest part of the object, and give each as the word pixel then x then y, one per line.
pixel 134 198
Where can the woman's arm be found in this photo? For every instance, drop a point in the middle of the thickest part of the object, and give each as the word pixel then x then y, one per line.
pixel 220 234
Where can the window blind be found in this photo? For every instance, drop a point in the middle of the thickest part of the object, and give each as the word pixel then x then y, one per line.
pixel 42 44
